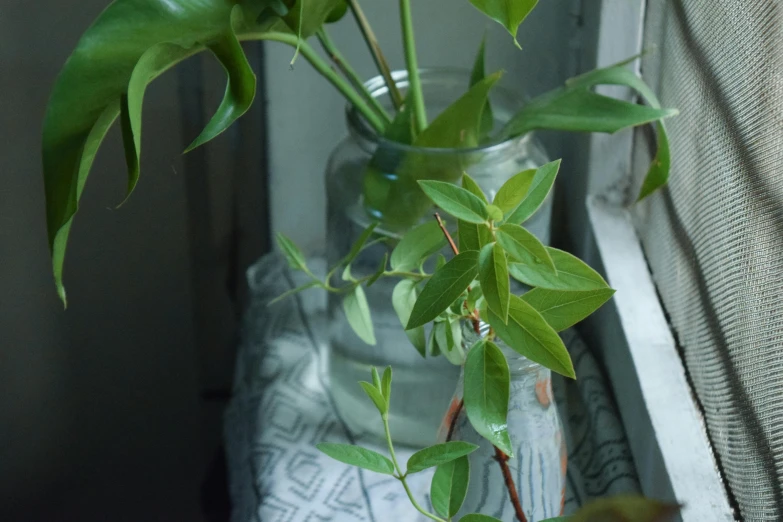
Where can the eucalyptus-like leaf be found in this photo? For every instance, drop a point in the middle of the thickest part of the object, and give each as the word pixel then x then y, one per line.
pixel 523 246
pixel 357 311
pixel 514 190
pixel 528 333
pixel 478 73
pixel 401 129
pixel 403 301
pixel 508 13
pixel 626 508
pixel 541 186
pixel 455 200
pixel 495 214
pixel 450 486
pixel 476 517
pixel 375 396
pixel 337 12
pixel 564 308
pixel 439 454
pixel 493 275
pixel 572 273
pixel 130 44
pixel 376 378
pixel 357 456
pixel 487 388
pixel 293 255
pixel 473 236
pixel 386 382
pixel 448 336
pixel 436 332
pixel 416 245
pixel 443 288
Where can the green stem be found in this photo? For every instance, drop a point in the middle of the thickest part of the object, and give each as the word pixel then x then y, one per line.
pixel 320 65
pixel 401 475
pixel 375 51
pixel 349 72
pixel 416 98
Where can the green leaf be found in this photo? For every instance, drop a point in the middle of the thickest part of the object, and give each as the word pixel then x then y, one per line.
pixel 458 126
pixel 578 109
pixel 376 378
pixel 337 12
pixel 493 276
pixel 477 75
pixel 523 246
pixel 541 186
pixel 572 273
pixel 557 519
pixel 356 456
pixel 386 383
pixel 403 301
pixel 401 130
pixel 358 313
pixel 619 74
pixel 495 214
pixel 375 396
pixel 514 190
pixel 508 13
pixel 443 288
pixel 626 508
pixel 130 44
pixel 448 336
pixel 379 272
pixel 487 392
pixel 456 201
pixel 293 255
pixel 475 517
pixel 450 486
pixel 295 291
pixel 563 308
pixel 530 335
pixel 438 455
pixel 437 331
pixel 416 245
pixel 471 186
pixel 359 244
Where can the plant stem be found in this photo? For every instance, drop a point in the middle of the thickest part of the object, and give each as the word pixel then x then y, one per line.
pixel 341 63
pixel 502 459
pixel 401 475
pixel 452 244
pixel 415 95
pixel 453 421
pixel 375 51
pixel 327 72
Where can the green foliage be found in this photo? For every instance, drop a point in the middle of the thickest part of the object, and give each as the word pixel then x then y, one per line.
pixel 570 273
pixel 622 509
pixel 416 246
pixel 475 517
pixel 493 276
pixel 514 190
pixel 524 247
pixel 359 457
pixel 438 455
pixel 293 255
pixel 357 311
pixel 450 486
pixel 375 396
pixel 477 75
pixel 529 334
pixel 564 308
pixel 540 187
pixel 508 13
pixel 445 286
pixel 457 201
pixel 403 301
pixel 486 394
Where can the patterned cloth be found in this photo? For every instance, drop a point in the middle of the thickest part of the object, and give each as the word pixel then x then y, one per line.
pixel 281 408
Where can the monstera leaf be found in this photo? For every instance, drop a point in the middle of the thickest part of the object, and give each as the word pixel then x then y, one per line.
pixel 129 45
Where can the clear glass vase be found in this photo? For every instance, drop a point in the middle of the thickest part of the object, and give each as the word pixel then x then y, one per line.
pixel 372 179
pixel 538 466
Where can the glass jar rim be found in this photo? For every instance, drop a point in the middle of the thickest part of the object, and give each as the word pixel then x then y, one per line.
pixel 377 87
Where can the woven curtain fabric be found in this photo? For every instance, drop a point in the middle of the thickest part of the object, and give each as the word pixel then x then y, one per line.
pixel 714 238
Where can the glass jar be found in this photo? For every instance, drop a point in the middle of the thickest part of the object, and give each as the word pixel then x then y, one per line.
pixel 370 179
pixel 538 466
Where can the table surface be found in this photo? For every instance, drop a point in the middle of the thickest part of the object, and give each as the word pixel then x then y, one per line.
pixel 281 408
